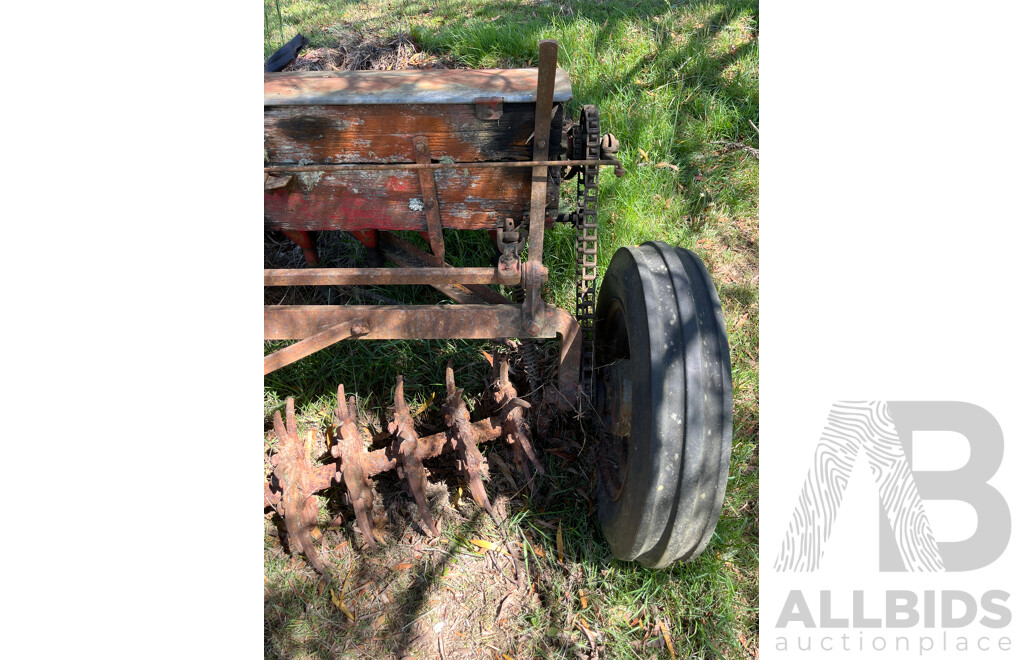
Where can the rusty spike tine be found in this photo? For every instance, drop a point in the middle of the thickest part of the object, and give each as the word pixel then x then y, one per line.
pixel 471 461
pixel 400 405
pixel 281 433
pixel 299 522
pixel 360 490
pixel 340 409
pixel 523 436
pixel 416 477
pixel 409 461
pixel 352 408
pixel 503 370
pixel 476 489
pixel 515 425
pixel 289 407
pixel 449 378
pixel 298 478
pixel 352 450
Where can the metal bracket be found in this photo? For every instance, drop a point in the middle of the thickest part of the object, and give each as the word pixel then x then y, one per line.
pixel 508 237
pixel 274 182
pixel 534 277
pixel 421 151
pixel 489 107
pixel 511 246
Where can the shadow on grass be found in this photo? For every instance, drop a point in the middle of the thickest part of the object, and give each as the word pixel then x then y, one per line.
pixel 286 607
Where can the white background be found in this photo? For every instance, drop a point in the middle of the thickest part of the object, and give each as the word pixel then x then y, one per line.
pixel 890 260
pixel 890 253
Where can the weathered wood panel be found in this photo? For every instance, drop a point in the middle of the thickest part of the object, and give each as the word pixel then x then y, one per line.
pixel 367 199
pixel 384 133
pixel 441 86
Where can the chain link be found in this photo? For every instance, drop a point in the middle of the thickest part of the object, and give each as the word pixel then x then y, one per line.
pixel 586 245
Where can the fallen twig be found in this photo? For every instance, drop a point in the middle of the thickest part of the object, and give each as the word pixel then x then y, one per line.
pixel 734 146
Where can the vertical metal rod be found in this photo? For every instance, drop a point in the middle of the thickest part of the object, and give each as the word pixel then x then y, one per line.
pixel 541 136
pixel 421 151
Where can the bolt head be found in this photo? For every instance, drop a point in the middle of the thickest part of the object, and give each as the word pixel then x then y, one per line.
pixel 533 328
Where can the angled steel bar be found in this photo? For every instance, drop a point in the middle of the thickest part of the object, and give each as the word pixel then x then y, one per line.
pixel 310 345
pixel 421 152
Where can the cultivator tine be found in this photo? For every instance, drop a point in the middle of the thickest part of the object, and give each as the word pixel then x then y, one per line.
pixel 464 440
pixel 410 467
pixel 295 479
pixel 350 448
pixel 514 425
pixel 297 475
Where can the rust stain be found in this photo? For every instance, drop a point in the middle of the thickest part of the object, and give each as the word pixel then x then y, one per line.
pixel 360 200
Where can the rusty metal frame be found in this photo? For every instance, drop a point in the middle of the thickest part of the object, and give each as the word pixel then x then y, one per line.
pixel 387 276
pixel 342 167
pixel 435 322
pixel 407 321
pixel 482 313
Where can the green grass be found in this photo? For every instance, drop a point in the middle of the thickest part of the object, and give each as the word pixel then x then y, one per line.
pixel 676 81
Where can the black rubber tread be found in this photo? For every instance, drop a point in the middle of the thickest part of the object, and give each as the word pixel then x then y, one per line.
pixel 681 432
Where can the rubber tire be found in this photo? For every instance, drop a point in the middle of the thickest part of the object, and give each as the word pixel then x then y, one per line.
pixel 681 425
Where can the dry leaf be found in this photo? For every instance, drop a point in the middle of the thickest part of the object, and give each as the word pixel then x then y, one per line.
pixel 583 601
pixel 458 498
pixel 401 567
pixel 586 631
pixel 663 164
pixel 558 541
pixel 668 640
pixel 481 543
pixel 315 533
pixel 643 154
pixel 423 406
pixel 341 606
